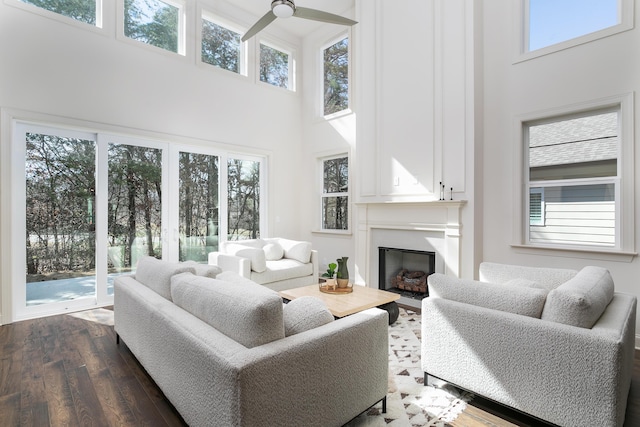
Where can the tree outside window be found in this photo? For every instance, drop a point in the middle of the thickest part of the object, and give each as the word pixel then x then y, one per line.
pixel 243 199
pixel 221 46
pixel 80 10
pixel 153 22
pixel 335 193
pixel 274 66
pixel 336 77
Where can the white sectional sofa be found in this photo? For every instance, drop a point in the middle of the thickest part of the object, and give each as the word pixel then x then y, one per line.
pixel 556 344
pixel 276 263
pixel 227 352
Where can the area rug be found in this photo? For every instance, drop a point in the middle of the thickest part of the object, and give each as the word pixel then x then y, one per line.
pixel 409 401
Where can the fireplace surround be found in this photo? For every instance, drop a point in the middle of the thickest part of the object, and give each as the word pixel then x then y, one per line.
pixel 433 226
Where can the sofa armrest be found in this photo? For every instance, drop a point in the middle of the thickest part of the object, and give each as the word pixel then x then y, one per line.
pixel 564 374
pixel 238 265
pixel 323 376
pixel 314 263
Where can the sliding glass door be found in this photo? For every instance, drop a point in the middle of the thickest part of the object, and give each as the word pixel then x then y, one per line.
pixel 86 206
pixel 59 205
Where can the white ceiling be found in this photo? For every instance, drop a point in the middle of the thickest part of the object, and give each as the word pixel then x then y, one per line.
pixel 297 26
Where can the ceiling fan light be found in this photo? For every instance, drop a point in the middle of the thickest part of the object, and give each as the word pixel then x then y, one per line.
pixel 282 8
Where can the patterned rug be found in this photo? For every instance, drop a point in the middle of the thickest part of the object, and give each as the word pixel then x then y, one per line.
pixel 409 402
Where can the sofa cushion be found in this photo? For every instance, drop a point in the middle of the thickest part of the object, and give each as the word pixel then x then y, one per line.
pixel 581 300
pixel 545 278
pixel 516 299
pixel 156 274
pixel 205 270
pixel 273 251
pixel 283 269
pixel 245 312
pixel 256 255
pixel 305 313
pixel 295 249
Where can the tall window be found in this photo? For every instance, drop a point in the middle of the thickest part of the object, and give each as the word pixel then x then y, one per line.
pixel 81 10
pixel 243 199
pixel 573 179
pixel 154 22
pixel 221 46
pixel 335 193
pixel 552 22
pixel 275 67
pixel 336 77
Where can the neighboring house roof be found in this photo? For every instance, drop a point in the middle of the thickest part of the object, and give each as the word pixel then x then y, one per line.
pixel 584 139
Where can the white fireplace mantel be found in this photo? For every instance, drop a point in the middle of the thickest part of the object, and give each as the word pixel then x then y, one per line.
pixel 432 225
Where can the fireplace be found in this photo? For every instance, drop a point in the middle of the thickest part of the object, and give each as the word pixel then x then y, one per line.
pixel 405 271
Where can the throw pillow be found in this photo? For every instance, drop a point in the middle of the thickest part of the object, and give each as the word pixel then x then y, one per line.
pixel 156 274
pixel 293 249
pixel 204 270
pixel 581 300
pixel 256 255
pixel 273 251
pixel 518 299
pixel 303 314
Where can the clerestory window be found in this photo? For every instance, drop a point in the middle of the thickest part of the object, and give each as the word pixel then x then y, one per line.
pixel 154 22
pixel 221 46
pixel 87 11
pixel 276 66
pixel 336 76
pixel 552 25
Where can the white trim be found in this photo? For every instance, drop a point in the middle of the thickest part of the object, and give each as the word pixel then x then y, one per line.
pixel 336 154
pixel 285 48
pixel 338 37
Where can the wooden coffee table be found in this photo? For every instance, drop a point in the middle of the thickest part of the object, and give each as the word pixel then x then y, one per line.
pixel 341 305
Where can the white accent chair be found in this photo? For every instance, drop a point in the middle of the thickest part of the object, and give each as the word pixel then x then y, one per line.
pixel 552 343
pixel 275 263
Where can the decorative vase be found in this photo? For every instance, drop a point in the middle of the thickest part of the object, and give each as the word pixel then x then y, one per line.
pixel 343 272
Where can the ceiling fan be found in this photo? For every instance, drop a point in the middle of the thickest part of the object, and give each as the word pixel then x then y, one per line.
pixel 286 9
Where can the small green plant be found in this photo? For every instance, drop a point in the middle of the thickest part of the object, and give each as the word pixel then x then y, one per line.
pixel 331 271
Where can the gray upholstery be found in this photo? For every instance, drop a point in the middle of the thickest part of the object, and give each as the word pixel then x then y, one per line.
pixel 521 300
pixel 567 375
pixel 156 274
pixel 545 278
pixel 581 300
pixel 321 377
pixel 305 313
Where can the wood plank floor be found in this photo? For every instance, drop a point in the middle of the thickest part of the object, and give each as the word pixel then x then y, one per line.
pixel 67 370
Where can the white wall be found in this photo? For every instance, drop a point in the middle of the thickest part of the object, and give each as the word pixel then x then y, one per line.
pixel 54 68
pixel 587 72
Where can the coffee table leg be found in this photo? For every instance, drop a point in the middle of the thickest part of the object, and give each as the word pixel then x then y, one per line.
pixel 392 309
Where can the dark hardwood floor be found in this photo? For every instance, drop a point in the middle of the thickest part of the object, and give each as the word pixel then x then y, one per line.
pixel 67 370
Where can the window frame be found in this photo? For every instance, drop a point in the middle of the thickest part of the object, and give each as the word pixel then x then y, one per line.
pixel 291 66
pixel 625 22
pixel 182 6
pixel 98 27
pixel 320 165
pixel 327 44
pixel 625 225
pixel 205 14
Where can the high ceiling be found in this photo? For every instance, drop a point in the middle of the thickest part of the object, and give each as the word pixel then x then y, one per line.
pixel 297 26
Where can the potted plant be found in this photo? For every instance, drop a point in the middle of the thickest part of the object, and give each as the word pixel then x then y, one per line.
pixel 330 276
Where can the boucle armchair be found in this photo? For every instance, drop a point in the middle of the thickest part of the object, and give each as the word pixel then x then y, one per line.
pixel 555 344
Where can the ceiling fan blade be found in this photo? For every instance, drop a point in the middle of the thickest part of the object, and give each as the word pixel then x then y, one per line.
pixel 267 19
pixel 318 15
